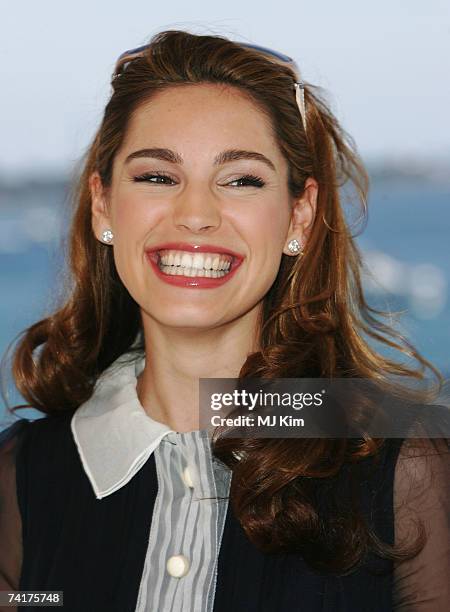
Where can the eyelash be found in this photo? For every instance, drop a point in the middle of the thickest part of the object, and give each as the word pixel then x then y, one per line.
pixel 254 181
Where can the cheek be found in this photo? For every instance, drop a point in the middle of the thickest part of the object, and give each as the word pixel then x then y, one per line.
pixel 270 232
pixel 267 230
pixel 131 215
pixel 265 234
pixel 132 221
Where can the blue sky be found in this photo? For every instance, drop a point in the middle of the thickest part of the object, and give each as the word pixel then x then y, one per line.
pixel 385 65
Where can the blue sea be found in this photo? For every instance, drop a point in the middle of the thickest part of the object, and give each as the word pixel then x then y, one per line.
pixel 405 245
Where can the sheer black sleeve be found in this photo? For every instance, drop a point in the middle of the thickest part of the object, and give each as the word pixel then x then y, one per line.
pixel 422 495
pixel 10 518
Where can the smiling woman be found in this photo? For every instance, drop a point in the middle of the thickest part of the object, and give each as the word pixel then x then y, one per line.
pixel 209 241
pixel 208 198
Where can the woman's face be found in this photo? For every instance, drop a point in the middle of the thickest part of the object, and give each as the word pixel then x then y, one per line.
pixel 192 189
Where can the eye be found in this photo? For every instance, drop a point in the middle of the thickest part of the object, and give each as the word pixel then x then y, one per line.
pixel 151 175
pixel 250 180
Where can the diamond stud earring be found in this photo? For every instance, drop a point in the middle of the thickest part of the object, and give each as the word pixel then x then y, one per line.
pixel 107 235
pixel 295 247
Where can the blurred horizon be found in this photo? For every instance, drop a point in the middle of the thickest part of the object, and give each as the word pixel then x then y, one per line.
pixel 426 169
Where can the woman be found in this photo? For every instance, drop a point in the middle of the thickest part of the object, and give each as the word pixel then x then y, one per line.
pixel 209 241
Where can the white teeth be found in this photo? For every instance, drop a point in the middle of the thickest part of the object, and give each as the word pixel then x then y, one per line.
pixel 199 261
pixel 186 261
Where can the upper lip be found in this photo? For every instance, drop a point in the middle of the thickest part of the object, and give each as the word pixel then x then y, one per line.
pixel 194 248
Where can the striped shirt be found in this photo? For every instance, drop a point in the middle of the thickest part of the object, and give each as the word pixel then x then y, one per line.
pixel 115 437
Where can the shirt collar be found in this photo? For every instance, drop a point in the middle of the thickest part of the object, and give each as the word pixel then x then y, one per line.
pixel 113 433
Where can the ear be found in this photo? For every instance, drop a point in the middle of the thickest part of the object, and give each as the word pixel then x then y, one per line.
pixel 99 206
pixel 303 215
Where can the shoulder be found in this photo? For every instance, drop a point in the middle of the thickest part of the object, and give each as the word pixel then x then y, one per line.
pixel 423 459
pixel 422 442
pixel 10 440
pixel 43 424
pixel 406 461
pixel 422 470
pixel 40 453
pixel 49 433
pixel 12 431
pixel 409 470
pixel 43 437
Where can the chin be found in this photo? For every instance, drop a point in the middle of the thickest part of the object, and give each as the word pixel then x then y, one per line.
pixel 181 319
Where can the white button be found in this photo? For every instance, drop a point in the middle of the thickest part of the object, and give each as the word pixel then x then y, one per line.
pixel 178 566
pixel 187 478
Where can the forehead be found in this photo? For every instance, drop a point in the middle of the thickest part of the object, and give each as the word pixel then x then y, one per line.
pixel 201 118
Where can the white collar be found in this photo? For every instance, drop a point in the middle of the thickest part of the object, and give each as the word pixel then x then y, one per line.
pixel 113 433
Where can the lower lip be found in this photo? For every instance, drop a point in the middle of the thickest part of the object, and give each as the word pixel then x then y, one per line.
pixel 194 282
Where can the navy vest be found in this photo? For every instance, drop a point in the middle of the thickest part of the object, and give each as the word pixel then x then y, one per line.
pixel 94 550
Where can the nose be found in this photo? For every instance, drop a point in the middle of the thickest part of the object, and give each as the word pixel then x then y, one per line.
pixel 196 210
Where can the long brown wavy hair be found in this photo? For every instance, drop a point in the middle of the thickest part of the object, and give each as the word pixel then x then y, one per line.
pixel 315 322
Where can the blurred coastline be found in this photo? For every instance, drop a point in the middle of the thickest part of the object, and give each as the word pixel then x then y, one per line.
pixel 405 247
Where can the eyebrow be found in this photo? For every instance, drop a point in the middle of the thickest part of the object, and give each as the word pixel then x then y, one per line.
pixel 222 158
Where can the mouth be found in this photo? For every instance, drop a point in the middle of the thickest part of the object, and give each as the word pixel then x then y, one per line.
pixel 193 267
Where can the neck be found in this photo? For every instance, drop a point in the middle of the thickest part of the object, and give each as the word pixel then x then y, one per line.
pixel 176 358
